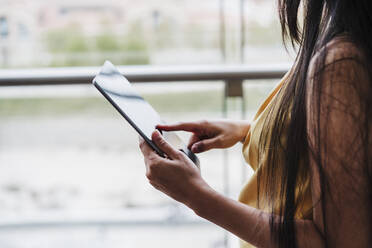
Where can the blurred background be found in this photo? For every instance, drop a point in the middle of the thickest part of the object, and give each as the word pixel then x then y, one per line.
pixel 71 174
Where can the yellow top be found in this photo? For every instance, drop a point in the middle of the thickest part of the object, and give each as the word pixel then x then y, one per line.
pixel 250 150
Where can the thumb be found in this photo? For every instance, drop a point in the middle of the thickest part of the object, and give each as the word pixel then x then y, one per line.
pixel 194 139
pixel 163 145
pixel 204 145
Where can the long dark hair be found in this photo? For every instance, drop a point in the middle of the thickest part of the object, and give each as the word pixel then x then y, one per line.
pixel 322 21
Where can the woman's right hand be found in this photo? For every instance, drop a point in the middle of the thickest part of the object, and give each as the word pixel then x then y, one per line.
pixel 208 135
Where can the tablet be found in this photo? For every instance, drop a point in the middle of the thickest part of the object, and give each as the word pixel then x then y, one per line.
pixel 136 111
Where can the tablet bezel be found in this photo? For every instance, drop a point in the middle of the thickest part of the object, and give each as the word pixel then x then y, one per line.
pixel 127 118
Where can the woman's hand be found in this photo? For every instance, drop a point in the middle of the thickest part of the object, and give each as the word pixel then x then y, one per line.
pixel 211 134
pixel 176 176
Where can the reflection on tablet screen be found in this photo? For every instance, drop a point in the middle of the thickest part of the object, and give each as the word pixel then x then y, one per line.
pixel 140 112
pixel 127 99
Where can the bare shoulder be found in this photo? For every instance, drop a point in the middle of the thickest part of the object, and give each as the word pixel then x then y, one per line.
pixel 338 75
pixel 339 48
pixel 339 59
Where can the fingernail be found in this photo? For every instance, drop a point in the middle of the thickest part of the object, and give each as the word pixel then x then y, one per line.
pixel 157 134
pixel 195 148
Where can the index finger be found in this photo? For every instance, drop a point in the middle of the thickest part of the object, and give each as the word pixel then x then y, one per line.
pixel 181 126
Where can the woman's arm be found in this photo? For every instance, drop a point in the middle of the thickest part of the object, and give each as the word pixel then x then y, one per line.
pixel 248 223
pixel 181 180
pixel 338 125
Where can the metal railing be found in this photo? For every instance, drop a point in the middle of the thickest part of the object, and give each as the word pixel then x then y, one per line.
pixel 137 74
pixel 231 76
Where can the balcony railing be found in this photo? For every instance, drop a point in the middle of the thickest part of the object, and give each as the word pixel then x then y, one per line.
pixel 139 74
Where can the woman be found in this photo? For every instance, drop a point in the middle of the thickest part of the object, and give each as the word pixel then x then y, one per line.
pixel 309 143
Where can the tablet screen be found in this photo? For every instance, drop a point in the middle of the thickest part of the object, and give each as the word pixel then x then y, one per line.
pixel 120 91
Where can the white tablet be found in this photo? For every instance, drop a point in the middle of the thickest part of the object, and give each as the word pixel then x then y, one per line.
pixel 139 113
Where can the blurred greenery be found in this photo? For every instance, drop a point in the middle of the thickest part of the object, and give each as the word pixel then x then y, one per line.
pixel 135 41
pixel 197 38
pixel 164 36
pixel 107 42
pixel 135 44
pixel 264 34
pixel 69 46
pixel 68 39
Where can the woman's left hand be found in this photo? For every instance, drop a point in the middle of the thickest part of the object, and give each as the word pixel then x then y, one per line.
pixel 176 176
